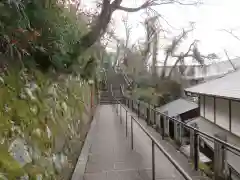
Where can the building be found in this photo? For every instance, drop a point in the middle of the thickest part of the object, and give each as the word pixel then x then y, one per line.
pixel 181 109
pixel 190 75
pixel 219 102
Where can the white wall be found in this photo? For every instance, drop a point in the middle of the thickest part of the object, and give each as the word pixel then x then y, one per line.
pixel 235 118
pixel 201 106
pixel 209 108
pixel 222 113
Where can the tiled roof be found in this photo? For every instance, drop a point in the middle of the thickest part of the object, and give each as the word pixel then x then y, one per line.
pixel 227 86
pixel 177 107
pixel 208 71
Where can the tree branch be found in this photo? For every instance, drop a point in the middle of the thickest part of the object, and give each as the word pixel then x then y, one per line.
pixel 225 51
pixel 163 18
pixel 131 9
pixel 103 19
pixel 180 58
pixel 151 3
pixel 180 3
pixel 231 33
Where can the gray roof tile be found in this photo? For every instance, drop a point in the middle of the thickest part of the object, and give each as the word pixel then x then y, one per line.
pixel 227 86
pixel 177 107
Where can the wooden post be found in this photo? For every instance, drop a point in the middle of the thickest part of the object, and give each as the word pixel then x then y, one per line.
pixel 91 84
pixel 194 148
pixel 92 96
pixel 196 151
pixel 191 144
pixel 220 159
pixel 163 126
pixel 178 130
pixel 148 114
pixel 166 124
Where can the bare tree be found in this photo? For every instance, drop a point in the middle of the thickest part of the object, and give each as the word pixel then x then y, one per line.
pixel 150 46
pixel 231 32
pixel 128 29
pixel 150 31
pixel 124 45
pixel 154 29
pixel 118 51
pixel 154 56
pixel 152 38
pixel 192 52
pixel 108 7
pixel 171 49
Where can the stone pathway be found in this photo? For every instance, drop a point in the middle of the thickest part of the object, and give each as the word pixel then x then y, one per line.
pixel 111 156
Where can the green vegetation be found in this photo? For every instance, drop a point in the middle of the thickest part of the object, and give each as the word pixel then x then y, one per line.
pixel 207 169
pixel 156 93
pixel 39 113
pixel 41 33
pixel 45 96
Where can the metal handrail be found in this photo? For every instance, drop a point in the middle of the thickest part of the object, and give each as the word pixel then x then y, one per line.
pixel 121 88
pixel 190 127
pixel 154 142
pixel 111 90
pixel 197 134
pixel 228 145
pixel 105 76
pixel 127 79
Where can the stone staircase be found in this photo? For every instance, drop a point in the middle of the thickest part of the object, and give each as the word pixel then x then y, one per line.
pixel 107 98
pixel 114 80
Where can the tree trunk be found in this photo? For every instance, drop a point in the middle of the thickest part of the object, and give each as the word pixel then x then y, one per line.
pixel 170 73
pixel 117 56
pixel 97 29
pixel 163 73
pixel 154 58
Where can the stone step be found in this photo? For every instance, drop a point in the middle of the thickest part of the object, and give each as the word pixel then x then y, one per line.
pixel 108 102
pixel 106 95
pixel 111 98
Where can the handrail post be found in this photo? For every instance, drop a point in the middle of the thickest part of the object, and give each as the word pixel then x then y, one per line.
pixel 230 172
pixel 154 115
pixel 138 109
pixel 220 159
pixel 120 113
pixel 196 150
pixel 148 114
pixel 163 128
pixel 153 161
pixel 117 109
pixel 132 132
pixel 126 123
pixel 132 106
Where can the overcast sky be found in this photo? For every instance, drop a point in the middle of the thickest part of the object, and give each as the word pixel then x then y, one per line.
pixel 210 18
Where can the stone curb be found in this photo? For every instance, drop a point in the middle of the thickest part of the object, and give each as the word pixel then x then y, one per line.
pixel 78 173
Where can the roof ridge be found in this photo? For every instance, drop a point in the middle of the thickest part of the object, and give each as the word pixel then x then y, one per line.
pixel 218 77
pixel 190 101
pixel 223 86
